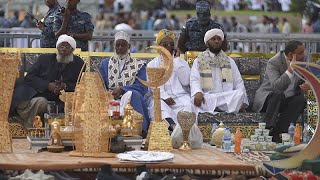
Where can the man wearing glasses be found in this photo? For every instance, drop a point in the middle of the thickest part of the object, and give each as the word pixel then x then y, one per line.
pixel 175 93
pixel 51 74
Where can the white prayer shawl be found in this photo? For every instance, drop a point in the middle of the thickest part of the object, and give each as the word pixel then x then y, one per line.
pixel 227 96
pixel 177 87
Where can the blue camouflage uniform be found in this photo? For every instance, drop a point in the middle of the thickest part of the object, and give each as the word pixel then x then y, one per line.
pixel 195 33
pixel 80 22
pixel 48 38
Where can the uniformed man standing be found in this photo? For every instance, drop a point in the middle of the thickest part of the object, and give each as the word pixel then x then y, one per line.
pixel 75 23
pixel 48 38
pixel 192 34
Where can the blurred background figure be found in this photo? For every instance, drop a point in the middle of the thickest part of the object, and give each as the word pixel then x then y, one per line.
pixel 163 22
pixel 14 21
pixel 4 23
pixel 286 26
pixel 26 22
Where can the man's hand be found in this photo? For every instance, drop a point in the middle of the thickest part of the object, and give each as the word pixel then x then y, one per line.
pixel 55 87
pixel 117 93
pixel 170 101
pixel 289 63
pixel 305 87
pixel 61 85
pixel 40 25
pixel 199 99
pixel 52 86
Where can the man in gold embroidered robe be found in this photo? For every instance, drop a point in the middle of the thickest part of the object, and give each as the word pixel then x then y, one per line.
pixel 215 81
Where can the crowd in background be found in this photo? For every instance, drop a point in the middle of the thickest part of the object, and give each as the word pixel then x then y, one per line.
pixel 120 15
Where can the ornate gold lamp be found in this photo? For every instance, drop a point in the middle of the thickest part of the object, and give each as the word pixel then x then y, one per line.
pixel 186 120
pixel 8 73
pixel 158 138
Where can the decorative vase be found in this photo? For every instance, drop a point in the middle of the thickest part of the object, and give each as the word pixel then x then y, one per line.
pixel 186 120
pixel 217 136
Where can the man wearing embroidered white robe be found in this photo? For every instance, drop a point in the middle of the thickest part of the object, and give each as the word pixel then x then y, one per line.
pixel 175 93
pixel 120 74
pixel 215 81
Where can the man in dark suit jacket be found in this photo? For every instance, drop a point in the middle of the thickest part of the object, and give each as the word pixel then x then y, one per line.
pixel 282 91
pixel 51 74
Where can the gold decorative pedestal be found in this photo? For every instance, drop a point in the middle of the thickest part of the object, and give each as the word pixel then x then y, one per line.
pixel 158 138
pixel 186 120
pixel 92 132
pixel 8 74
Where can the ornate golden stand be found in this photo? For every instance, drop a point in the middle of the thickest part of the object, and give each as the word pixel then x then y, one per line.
pixel 8 74
pixel 158 138
pixel 92 132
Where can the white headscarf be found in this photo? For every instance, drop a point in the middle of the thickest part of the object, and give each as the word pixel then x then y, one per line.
pixel 213 32
pixel 68 39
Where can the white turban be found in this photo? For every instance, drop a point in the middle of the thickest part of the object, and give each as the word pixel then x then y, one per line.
pixel 68 39
pixel 213 32
pixel 122 35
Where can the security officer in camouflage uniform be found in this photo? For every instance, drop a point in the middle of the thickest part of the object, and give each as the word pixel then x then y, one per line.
pixel 74 23
pixel 191 37
pixel 48 38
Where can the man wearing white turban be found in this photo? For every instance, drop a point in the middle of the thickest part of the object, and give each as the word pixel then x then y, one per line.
pixel 121 74
pixel 49 75
pixel 216 83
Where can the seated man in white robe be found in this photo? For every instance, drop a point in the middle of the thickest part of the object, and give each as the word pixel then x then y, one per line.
pixel 120 74
pixel 215 81
pixel 175 93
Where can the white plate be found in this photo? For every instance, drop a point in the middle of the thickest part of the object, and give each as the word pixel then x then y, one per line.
pixel 145 156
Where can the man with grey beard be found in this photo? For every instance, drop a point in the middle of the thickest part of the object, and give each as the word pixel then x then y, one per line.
pixel 45 80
